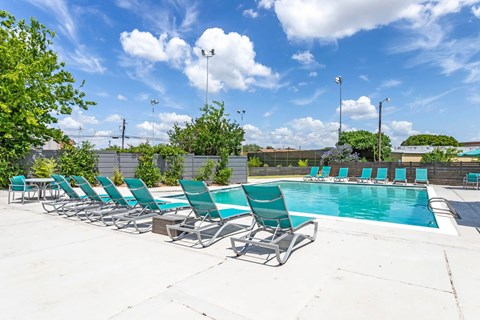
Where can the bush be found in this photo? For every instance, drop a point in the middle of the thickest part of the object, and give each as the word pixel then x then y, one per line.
pixel 222 176
pixel 117 178
pixel 343 153
pixel 147 170
pixel 80 161
pixel 43 167
pixel 205 172
pixel 175 170
pixel 254 162
pixel 438 155
pixel 303 163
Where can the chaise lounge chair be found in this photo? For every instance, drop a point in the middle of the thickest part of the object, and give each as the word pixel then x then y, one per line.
pixel 313 174
pixel 96 201
pixel 18 184
pixel 471 178
pixel 271 215
pixel 342 175
pixel 325 174
pixel 207 215
pixel 381 175
pixel 366 175
pixel 149 207
pixel 400 175
pixel 69 199
pixel 421 175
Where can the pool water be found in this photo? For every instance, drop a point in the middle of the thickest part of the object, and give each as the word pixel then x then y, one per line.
pixel 396 204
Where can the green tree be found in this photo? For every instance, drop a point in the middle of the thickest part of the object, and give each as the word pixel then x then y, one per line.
pixel 430 140
pixel 208 134
pixel 365 143
pixel 80 160
pixel 34 88
pixel 252 147
pixel 438 155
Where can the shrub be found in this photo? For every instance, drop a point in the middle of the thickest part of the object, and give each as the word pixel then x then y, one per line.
pixel 205 172
pixel 43 167
pixel 303 163
pixel 117 177
pixel 438 155
pixel 146 169
pixel 80 160
pixel 343 153
pixel 222 176
pixel 254 162
pixel 175 170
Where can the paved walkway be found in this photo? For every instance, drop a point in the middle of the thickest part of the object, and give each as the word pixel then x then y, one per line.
pixel 57 268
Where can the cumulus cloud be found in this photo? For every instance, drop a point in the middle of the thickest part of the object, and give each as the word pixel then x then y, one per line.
pixel 476 11
pixel 113 118
pixel 76 120
pixel 121 97
pixel 304 57
pixel 358 109
pixel 232 67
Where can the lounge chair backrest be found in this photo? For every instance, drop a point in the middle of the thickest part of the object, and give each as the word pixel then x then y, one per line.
pixel 112 191
pixel 199 197
pixel 87 188
pixel 421 174
pixel 17 183
pixel 366 173
pixel 268 206
pixel 141 193
pixel 400 174
pixel 314 171
pixel 343 172
pixel 62 182
pixel 326 171
pixel 382 173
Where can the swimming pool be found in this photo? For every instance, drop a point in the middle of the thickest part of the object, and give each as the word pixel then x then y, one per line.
pixel 395 204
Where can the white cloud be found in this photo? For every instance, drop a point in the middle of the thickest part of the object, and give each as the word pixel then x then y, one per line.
pixel 250 13
pixel 266 4
pixel 305 57
pixel 76 120
pixel 364 77
pixel 422 102
pixel 267 114
pixel 232 67
pixel 113 118
pixel 403 128
pixel 476 11
pixel 390 83
pixel 171 118
pixel 121 97
pixel 309 100
pixel 60 10
pixel 313 74
pixel 358 109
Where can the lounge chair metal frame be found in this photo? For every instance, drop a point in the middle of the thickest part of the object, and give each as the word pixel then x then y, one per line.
pixel 149 207
pixel 272 226
pixel 95 200
pixel 68 200
pixel 205 216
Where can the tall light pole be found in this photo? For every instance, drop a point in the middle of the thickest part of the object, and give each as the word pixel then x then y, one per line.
pixel 339 81
pixel 380 128
pixel 153 102
pixel 241 113
pixel 207 55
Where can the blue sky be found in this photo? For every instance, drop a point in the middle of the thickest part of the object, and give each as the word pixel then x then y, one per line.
pixel 275 59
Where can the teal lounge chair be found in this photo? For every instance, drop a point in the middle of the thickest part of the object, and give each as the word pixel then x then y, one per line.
pixel 271 215
pixel 313 174
pixel 96 201
pixel 421 175
pixel 207 216
pixel 471 178
pixel 366 175
pixel 400 175
pixel 149 207
pixel 381 175
pixel 120 203
pixel 18 184
pixel 325 174
pixel 342 175
pixel 68 200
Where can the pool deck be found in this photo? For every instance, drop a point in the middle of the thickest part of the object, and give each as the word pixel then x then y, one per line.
pixel 57 268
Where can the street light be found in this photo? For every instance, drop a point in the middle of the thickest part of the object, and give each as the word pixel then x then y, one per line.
pixel 339 80
pixel 153 102
pixel 207 55
pixel 241 113
pixel 380 128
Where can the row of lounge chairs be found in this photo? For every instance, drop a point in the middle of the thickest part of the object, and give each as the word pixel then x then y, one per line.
pixel 421 175
pixel 267 209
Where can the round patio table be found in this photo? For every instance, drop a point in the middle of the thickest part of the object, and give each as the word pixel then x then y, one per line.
pixel 42 184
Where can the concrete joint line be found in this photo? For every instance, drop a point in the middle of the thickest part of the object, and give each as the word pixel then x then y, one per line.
pixel 197 273
pixel 454 291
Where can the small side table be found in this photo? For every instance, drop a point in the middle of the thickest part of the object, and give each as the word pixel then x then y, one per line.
pixel 159 224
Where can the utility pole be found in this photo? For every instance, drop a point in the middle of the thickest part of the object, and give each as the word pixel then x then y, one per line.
pixel 123 133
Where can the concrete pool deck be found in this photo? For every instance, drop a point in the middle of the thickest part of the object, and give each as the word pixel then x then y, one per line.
pixel 56 268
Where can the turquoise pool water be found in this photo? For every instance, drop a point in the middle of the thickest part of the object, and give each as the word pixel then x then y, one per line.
pixel 396 204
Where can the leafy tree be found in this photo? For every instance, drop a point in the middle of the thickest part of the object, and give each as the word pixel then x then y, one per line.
pixel 209 134
pixel 343 153
pixel 365 143
pixel 252 147
pixel 174 170
pixel 430 140
pixel 80 160
pixel 438 155
pixel 223 173
pixel 34 88
pixel 147 169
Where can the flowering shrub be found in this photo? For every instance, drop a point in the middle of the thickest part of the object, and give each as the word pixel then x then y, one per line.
pixel 343 153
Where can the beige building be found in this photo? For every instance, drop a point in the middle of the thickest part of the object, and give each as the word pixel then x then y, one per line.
pixel 415 153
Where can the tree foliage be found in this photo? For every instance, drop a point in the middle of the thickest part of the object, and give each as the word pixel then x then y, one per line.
pixel 343 153
pixel 210 134
pixel 365 143
pixel 81 160
pixel 430 140
pixel 252 147
pixel 438 155
pixel 34 89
